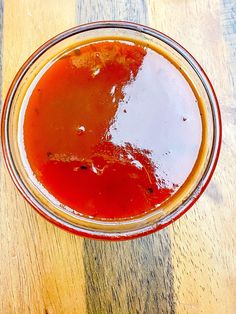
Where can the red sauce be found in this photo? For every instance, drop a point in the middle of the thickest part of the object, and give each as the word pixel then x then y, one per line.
pixel 112 129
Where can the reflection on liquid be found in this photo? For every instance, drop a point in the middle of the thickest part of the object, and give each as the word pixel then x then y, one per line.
pixel 161 116
pixel 112 130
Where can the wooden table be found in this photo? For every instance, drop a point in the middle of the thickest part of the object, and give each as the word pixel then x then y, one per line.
pixel 189 267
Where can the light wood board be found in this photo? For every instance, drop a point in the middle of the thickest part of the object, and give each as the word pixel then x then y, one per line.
pixel 189 267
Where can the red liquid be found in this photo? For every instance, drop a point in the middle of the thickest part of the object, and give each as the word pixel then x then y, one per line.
pixel 112 130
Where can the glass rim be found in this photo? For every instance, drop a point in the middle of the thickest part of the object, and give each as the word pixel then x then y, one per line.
pixel 144 230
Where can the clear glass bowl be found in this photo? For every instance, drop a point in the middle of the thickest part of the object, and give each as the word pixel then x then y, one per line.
pixel 107 229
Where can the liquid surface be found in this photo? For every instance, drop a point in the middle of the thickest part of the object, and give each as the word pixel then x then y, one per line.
pixel 112 129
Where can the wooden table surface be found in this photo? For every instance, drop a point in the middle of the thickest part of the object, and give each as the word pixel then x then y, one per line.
pixel 189 267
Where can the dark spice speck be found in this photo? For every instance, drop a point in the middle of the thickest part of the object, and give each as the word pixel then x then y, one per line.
pixel 83 167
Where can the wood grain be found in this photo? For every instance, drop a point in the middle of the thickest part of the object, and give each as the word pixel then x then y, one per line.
pixel 203 241
pixel 1 17
pixel 97 10
pixel 133 277
pixel 190 267
pixel 41 267
pixel 129 277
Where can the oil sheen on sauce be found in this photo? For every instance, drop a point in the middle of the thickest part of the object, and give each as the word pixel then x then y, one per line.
pixel 112 129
